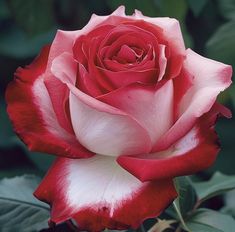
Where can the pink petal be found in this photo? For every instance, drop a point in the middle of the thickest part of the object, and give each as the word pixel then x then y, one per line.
pixel 64 67
pixel 97 193
pixel 171 30
pixel 64 40
pixel 210 78
pixel 104 129
pixel 151 107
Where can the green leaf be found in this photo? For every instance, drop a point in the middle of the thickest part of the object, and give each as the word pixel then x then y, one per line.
pixel 218 184
pixel 227 8
pixel 185 201
pixel 197 6
pixel 186 195
pixel 198 227
pixel 207 220
pixel 20 211
pixel 34 16
pixel 221 45
pixel 229 202
pixel 15 43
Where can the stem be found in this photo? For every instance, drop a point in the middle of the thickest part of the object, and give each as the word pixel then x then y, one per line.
pixel 198 203
pixel 180 217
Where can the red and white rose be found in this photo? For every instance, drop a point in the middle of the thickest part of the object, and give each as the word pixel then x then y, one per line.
pixel 126 108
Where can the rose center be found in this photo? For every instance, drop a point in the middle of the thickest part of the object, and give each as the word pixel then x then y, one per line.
pixel 128 54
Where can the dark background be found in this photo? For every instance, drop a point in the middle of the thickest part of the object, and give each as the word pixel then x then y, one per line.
pixel 26 25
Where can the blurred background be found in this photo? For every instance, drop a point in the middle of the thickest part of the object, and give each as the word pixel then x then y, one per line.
pixel 208 27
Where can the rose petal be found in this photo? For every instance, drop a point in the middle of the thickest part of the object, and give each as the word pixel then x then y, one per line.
pixel 98 194
pixel 99 127
pixel 124 78
pixel 171 30
pixel 86 83
pixel 64 40
pixel 32 114
pixel 182 84
pixel 210 78
pixel 151 107
pixel 104 129
pixel 196 151
pixel 59 99
pixel 64 67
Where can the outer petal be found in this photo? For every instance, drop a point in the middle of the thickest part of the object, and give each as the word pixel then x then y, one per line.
pixel 196 151
pixel 32 114
pixel 99 194
pixel 210 78
pixel 152 107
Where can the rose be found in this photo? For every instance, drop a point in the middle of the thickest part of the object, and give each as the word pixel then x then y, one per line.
pixel 121 89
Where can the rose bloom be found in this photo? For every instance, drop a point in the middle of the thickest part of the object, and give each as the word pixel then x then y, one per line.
pixel 126 108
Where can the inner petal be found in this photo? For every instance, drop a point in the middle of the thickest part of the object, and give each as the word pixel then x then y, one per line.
pixel 126 54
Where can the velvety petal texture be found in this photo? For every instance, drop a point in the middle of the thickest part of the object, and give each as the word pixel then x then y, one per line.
pixel 128 108
pixel 110 197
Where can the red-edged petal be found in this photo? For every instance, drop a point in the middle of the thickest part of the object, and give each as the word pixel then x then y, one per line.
pixel 152 107
pixel 210 78
pixel 97 193
pixel 31 112
pixel 196 151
